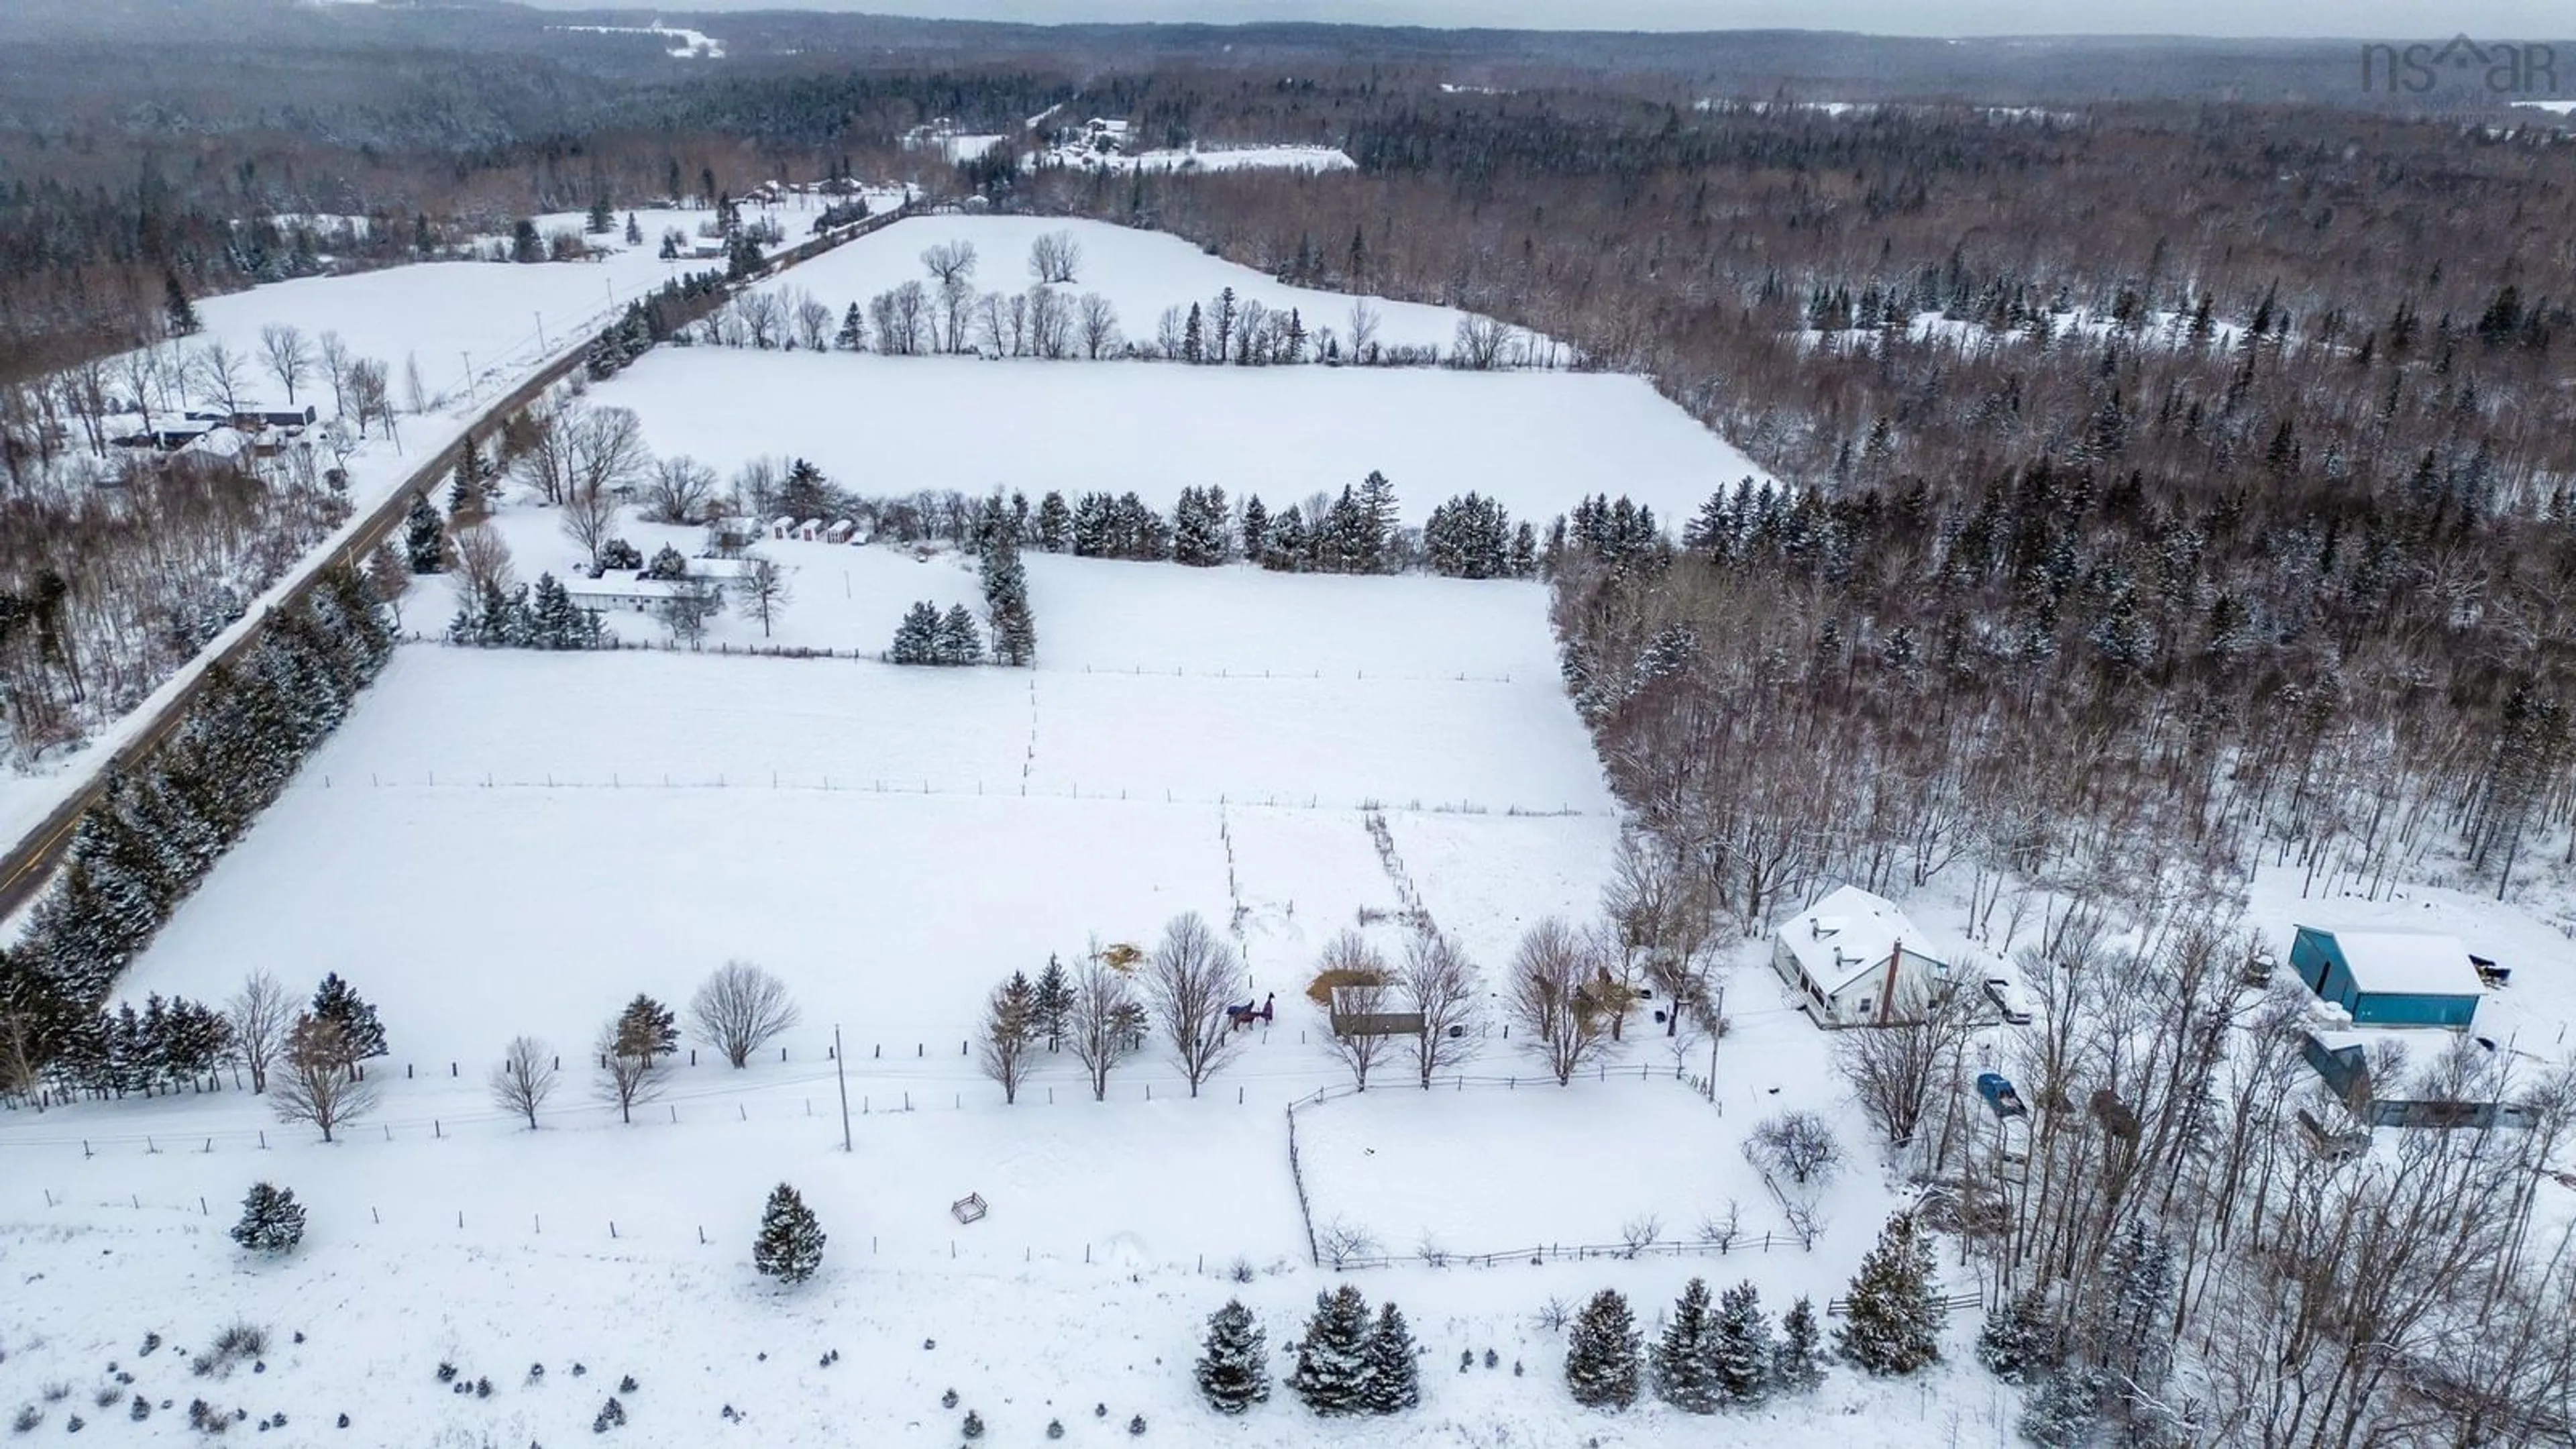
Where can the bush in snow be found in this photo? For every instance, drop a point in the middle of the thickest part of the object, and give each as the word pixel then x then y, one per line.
pixel 26 1419
pixel 973 1428
pixel 1234 1367
pixel 611 1414
pixel 627 1385
pixel 271 1221
pixel 1055 1428
pixel 1134 1426
pixel 1332 1373
pixel 1893 1323
pixel 1601 1353
pixel 948 1399
pixel 141 1410
pixel 76 1423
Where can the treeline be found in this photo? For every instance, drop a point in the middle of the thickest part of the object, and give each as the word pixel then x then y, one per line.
pixel 160 827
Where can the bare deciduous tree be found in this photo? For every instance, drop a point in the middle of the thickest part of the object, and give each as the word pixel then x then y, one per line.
pixel 813 319
pixel 740 1008
pixel 631 1069
pixel 1895 1069
pixel 1008 1034
pixel 524 1079
pixel 1363 329
pixel 1106 1024
pixel 679 491
pixel 334 355
pixel 482 560
pixel 1355 985
pixel 1481 343
pixel 608 452
pixel 217 373
pixel 1556 979
pixel 141 373
pixel 1442 984
pixel 949 261
pixel 1050 324
pixel 1797 1145
pixel 1054 257
pixel 370 396
pixel 260 1014
pixel 1188 980
pixel 314 1081
pixel 590 519
pixel 764 318
pixel 764 590
pixel 1099 325
pixel 287 355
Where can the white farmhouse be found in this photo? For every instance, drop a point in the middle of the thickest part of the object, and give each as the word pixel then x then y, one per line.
pixel 619 591
pixel 1855 960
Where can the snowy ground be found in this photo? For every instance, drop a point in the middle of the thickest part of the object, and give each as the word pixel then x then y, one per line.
pixel 1537 441
pixel 476 328
pixel 1142 272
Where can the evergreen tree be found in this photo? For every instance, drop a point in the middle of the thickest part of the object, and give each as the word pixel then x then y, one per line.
pixel 1092 525
pixel 853 336
pixel 1199 528
pixel 1234 1366
pixel 602 219
pixel 360 1033
pixel 647 1029
pixel 1743 1348
pixel 1683 1359
pixel 668 565
pixel 1799 1363
pixel 1286 548
pixel 2015 1343
pixel 1469 537
pixel 1373 536
pixel 176 309
pixel 2066 1409
pixel 1256 528
pixel 1054 1001
pixel 1524 564
pixel 2133 1336
pixel 958 641
pixel 1055 523
pixel 789 1246
pixel 1332 1374
pixel 465 492
pixel 1601 1364
pixel 1892 1324
pixel 1006 598
pixel 1394 1364
pixel 1193 334
pixel 424 537
pixel 916 639
pixel 272 1221
pixel 525 244
pixel 634 231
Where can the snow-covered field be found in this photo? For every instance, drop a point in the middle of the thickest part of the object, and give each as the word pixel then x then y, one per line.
pixel 1229 158
pixel 1142 272
pixel 1537 441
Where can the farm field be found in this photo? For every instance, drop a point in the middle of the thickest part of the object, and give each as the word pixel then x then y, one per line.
pixel 1536 441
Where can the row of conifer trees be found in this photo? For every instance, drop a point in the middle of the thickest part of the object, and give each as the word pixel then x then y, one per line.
pixel 163 821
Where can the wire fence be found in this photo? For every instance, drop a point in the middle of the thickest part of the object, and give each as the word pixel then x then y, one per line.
pixel 724 648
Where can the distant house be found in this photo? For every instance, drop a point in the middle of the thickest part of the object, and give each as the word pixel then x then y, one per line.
pixel 619 591
pixel 2389 978
pixel 2342 1060
pixel 1855 960
pixel 284 417
pixel 840 532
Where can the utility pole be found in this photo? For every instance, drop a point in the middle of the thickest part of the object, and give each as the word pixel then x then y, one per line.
pixel 841 1071
pixel 541 331
pixel 469 376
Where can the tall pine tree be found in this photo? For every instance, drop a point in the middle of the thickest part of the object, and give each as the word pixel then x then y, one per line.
pixel 1798 1365
pixel 424 537
pixel 1394 1364
pixel 271 1221
pixel 363 1036
pixel 1742 1346
pixel 1684 1373
pixel 1892 1322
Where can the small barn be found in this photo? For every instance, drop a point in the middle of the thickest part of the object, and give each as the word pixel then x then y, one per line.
pixel 1855 960
pixel 2343 1061
pixel 2389 978
pixel 1361 1011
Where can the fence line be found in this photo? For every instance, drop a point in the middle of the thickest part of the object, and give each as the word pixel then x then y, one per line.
pixel 870 785
pixel 726 648
pixel 1573 1253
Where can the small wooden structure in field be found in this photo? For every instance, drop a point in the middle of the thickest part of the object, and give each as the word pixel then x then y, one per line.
pixel 968 1209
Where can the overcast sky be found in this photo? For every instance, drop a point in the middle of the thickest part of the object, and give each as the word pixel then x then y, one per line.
pixel 2373 19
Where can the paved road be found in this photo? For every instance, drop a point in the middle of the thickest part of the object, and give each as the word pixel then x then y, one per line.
pixel 29 863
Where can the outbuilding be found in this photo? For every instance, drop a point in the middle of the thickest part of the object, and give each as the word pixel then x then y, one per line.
pixel 2389 978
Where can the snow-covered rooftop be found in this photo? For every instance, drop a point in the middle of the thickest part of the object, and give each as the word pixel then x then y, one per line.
pixel 1849 933
pixel 2407 963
